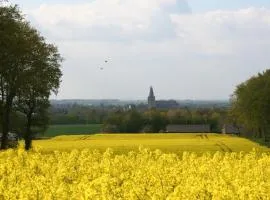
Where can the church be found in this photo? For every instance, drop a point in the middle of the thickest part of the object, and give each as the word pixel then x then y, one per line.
pixel 161 104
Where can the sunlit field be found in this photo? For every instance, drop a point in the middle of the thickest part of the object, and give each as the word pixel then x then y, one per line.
pixel 169 143
pixel 137 167
pixel 137 175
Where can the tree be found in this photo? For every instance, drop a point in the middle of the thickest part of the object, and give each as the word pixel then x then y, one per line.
pixel 114 122
pixel 12 61
pixel 133 122
pixel 156 120
pixel 42 77
pixel 30 71
pixel 251 105
pixel 124 122
pixel 35 110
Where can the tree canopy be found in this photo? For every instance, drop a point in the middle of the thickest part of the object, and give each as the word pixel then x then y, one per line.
pixel 29 71
pixel 251 105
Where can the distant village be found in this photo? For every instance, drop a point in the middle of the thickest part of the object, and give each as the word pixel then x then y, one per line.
pixel 62 103
pixel 181 115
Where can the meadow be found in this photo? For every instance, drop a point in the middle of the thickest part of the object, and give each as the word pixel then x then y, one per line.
pixel 75 129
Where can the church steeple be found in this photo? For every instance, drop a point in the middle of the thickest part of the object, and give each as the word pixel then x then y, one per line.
pixel 151 93
pixel 151 99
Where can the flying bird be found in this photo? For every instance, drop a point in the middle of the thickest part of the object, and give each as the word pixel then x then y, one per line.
pixel 101 68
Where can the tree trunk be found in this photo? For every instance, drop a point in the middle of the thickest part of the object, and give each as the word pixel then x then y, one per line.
pixel 6 123
pixel 255 134
pixel 28 133
pixel 263 134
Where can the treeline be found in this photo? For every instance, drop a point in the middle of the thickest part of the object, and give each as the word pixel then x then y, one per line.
pixel 136 118
pixel 79 114
pixel 250 109
pixel 29 73
pixel 155 121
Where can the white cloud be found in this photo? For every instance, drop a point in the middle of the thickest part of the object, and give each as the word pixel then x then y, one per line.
pixel 150 42
pixel 223 31
pixel 121 18
pixel 128 15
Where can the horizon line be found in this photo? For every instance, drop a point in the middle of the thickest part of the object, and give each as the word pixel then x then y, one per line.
pixel 112 99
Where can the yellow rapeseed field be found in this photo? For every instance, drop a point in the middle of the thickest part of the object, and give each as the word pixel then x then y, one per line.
pixel 141 175
pixel 169 143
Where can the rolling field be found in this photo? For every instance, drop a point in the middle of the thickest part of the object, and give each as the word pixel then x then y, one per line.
pixel 181 170
pixel 170 143
pixel 55 130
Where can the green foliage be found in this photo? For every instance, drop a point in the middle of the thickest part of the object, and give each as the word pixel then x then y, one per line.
pixel 30 71
pixel 215 117
pixel 13 60
pixel 251 105
pixel 124 122
pixel 133 122
pixel 157 121
pixel 72 129
pixel 77 114
pixel 153 121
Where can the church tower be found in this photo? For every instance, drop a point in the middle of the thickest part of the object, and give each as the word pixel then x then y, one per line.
pixel 151 99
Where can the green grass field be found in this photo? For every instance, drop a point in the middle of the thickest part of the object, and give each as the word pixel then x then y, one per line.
pixel 175 143
pixel 55 130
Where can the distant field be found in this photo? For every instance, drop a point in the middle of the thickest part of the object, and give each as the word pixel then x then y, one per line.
pixel 175 143
pixel 55 130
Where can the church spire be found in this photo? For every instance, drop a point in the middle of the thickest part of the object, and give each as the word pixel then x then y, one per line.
pixel 151 99
pixel 151 93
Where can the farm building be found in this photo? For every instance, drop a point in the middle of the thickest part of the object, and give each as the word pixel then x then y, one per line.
pixel 188 128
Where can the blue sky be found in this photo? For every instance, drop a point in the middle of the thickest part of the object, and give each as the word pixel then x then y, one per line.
pixel 185 49
pixel 207 5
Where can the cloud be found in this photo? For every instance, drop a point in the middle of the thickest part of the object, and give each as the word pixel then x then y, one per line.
pixel 110 19
pixel 225 31
pixel 215 32
pixel 155 42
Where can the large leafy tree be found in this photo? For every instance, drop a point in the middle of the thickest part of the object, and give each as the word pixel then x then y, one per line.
pixel 42 77
pixel 12 59
pixel 29 71
pixel 251 105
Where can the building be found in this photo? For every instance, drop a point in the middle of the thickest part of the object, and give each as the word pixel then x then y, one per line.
pixel 161 104
pixel 188 128
pixel 151 99
pixel 167 104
